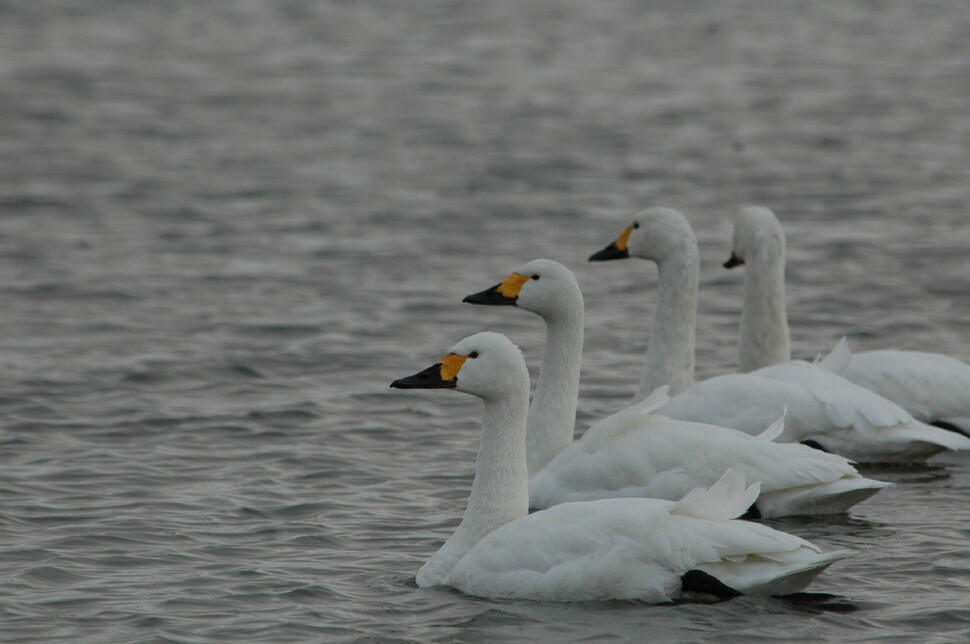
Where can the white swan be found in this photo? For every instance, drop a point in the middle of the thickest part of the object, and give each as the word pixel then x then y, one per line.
pixel 934 388
pixel 824 409
pixel 643 549
pixel 634 453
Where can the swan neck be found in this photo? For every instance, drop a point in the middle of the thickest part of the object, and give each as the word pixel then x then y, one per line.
pixel 670 354
pixel 764 337
pixel 552 416
pixel 500 490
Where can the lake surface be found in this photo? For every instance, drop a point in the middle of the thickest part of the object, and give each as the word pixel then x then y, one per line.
pixel 226 227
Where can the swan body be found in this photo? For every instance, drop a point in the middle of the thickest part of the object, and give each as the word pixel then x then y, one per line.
pixel 637 454
pixel 640 549
pixel 634 549
pixel 932 387
pixel 822 407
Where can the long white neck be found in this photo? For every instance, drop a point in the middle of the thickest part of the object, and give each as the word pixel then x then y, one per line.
pixel 670 355
pixel 500 491
pixel 764 320
pixel 552 417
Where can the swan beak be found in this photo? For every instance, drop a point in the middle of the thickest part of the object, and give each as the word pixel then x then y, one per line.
pixel 505 293
pixel 490 296
pixel 613 251
pixel 430 378
pixel 733 261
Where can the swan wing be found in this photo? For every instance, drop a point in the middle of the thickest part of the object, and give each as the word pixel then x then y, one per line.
pixel 666 459
pixel 627 549
pixel 726 499
pixel 930 386
pixel 748 403
pixel 845 418
pixel 847 404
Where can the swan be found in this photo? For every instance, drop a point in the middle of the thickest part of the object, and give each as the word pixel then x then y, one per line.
pixel 637 549
pixel 932 387
pixel 635 453
pixel 823 409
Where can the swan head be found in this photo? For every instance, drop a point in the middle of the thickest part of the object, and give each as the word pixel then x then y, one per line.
pixel 757 233
pixel 487 365
pixel 656 234
pixel 540 286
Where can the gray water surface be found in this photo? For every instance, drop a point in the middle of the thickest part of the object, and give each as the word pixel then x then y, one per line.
pixel 226 227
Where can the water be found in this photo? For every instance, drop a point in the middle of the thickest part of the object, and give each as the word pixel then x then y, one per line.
pixel 226 227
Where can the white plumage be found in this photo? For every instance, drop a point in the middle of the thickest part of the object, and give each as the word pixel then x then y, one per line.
pixel 822 407
pixel 596 550
pixel 930 386
pixel 637 454
pixel 638 549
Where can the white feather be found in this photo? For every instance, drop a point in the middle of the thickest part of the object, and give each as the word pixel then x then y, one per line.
pixel 636 454
pixel 929 386
pixel 612 549
pixel 822 406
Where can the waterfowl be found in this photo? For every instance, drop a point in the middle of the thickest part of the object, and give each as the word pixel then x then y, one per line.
pixel 932 387
pixel 636 453
pixel 823 409
pixel 637 549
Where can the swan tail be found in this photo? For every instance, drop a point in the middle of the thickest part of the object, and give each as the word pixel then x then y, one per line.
pixel 833 497
pixel 766 576
pixel 931 436
pixel 838 359
pixel 726 499
pixel 958 425
pixel 698 581
pixel 912 442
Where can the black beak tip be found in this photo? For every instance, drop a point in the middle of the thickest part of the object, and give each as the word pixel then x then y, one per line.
pixel 489 297
pixel 610 252
pixel 733 261
pixel 430 378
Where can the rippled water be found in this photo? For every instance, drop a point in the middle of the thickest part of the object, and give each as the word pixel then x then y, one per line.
pixel 226 227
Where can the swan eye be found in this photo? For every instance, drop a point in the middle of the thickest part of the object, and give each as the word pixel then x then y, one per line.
pixel 536 276
pixel 473 354
pixel 636 225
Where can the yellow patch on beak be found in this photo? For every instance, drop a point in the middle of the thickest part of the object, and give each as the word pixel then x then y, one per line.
pixel 451 365
pixel 623 239
pixel 512 285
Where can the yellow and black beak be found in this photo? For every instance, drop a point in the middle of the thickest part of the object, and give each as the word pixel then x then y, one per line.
pixel 441 375
pixel 733 261
pixel 506 293
pixel 491 297
pixel 616 250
